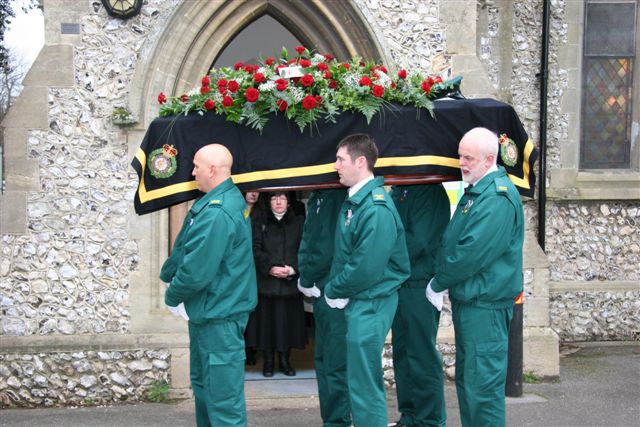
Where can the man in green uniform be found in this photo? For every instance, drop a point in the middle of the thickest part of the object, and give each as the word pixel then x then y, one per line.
pixel 425 211
pixel 370 262
pixel 480 263
pixel 209 271
pixel 314 262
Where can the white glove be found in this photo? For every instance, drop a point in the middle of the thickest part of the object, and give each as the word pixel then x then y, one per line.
pixel 179 311
pixel 313 292
pixel 338 303
pixel 435 298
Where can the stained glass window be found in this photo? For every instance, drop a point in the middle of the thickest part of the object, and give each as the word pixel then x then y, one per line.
pixel 608 66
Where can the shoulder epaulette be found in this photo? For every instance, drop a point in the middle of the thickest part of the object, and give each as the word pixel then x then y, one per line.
pixel 378 195
pixel 217 202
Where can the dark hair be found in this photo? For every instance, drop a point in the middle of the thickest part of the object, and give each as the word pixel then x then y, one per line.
pixel 360 144
pixel 275 193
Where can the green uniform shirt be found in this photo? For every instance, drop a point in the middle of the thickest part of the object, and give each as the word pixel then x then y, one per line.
pixel 424 211
pixel 316 248
pixel 370 254
pixel 211 266
pixel 480 257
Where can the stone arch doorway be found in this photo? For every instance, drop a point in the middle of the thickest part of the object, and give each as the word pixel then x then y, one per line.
pixel 188 44
pixel 199 31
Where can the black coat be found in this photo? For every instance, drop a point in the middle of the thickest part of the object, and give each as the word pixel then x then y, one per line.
pixel 276 243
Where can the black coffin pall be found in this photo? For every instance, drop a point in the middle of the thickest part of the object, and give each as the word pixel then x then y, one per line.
pixel 413 145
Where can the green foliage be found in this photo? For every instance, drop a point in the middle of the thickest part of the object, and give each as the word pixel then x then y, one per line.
pixel 158 392
pixel 530 378
pixel 314 86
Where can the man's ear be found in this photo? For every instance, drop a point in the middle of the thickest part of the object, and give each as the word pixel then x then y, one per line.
pixel 361 162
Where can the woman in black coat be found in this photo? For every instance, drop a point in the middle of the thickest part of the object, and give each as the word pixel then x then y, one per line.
pixel 278 322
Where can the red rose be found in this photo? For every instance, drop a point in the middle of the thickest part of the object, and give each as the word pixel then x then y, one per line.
pixel 291 61
pixel 300 49
pixel 333 84
pixel 277 69
pixel 238 65
pixel 322 66
pixel 306 80
pixel 209 104
pixel 305 63
pixel 184 98
pixel 227 101
pixel 205 89
pixel 328 57
pixel 426 86
pixel 327 75
pixel 281 84
pixel 431 81
pixel 252 94
pixel 402 74
pixel 375 76
pixel 282 104
pixel 249 69
pixel 222 83
pixel 438 79
pixel 383 69
pixel 319 99
pixel 365 81
pixel 377 91
pixel 258 77
pixel 205 81
pixel 233 86
pixel 362 64
pixel 393 85
pixel 346 66
pixel 270 61
pixel 162 98
pixel 309 102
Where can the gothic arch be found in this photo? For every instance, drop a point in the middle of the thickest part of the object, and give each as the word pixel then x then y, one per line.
pixel 198 31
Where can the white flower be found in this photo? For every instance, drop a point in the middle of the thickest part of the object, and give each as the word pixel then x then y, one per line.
pixel 268 86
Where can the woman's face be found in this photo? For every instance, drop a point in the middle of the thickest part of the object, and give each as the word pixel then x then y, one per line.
pixel 251 197
pixel 279 203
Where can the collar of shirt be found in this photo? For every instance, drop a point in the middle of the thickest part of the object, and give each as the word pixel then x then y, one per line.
pixel 491 169
pixel 353 190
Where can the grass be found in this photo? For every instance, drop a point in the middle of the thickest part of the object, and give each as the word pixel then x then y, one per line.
pixel 530 378
pixel 158 392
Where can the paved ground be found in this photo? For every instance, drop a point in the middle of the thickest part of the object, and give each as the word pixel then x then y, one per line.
pixel 599 386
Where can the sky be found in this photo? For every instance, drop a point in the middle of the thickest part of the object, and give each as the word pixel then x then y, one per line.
pixel 25 34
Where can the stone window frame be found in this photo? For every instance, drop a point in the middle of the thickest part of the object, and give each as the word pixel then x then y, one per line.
pixel 567 181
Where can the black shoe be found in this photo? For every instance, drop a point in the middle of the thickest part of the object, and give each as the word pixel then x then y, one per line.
pixel 267 367
pixel 285 365
pixel 251 356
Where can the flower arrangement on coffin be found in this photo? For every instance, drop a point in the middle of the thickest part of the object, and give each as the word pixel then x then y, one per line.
pixel 306 88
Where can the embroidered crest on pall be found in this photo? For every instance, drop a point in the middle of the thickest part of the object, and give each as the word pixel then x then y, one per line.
pixel 508 150
pixel 162 161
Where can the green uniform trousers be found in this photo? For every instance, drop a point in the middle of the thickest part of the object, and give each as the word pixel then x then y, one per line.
pixel 368 322
pixel 330 359
pixel 217 371
pixel 417 363
pixel 482 344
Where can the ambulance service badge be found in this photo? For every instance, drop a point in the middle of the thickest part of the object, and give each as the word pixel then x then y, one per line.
pixel 162 162
pixel 508 150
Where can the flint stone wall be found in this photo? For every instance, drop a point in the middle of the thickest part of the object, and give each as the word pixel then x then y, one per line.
pixel 69 274
pixel 80 378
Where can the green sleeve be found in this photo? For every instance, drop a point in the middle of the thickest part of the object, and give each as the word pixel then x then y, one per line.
pixel 478 245
pixel 204 249
pixel 170 266
pixel 370 255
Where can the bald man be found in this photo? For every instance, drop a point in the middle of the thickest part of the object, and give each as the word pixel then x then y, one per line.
pixel 209 271
pixel 480 263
